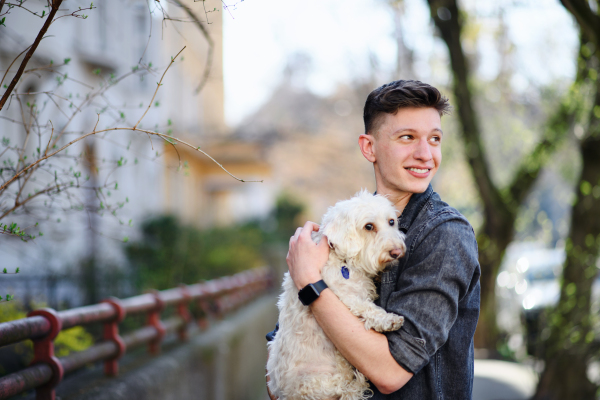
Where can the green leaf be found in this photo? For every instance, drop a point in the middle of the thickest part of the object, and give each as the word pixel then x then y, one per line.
pixel 4 271
pixel 67 60
pixel 125 239
pixel 2 21
pixel 586 188
pixel 43 13
pixel 17 270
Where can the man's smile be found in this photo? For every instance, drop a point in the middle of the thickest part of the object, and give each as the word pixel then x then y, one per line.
pixel 418 170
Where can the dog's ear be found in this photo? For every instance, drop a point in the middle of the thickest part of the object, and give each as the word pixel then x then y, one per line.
pixel 342 235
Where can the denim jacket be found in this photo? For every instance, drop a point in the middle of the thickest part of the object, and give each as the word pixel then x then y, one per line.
pixel 435 286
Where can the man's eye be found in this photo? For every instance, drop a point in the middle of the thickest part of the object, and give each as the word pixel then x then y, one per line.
pixel 392 222
pixel 369 227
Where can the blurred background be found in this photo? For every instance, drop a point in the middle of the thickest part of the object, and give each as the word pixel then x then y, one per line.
pixel 274 92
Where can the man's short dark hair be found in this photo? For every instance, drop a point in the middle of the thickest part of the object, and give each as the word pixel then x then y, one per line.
pixel 393 96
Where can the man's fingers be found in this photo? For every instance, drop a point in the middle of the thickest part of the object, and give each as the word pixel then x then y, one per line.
pixel 297 233
pixel 308 228
pixel 311 226
pixel 324 242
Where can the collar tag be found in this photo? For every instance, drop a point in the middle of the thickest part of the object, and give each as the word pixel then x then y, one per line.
pixel 345 272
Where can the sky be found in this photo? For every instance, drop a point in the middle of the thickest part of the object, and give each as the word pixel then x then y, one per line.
pixel 260 36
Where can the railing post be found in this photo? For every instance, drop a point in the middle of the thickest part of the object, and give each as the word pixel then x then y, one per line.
pixel 43 352
pixel 111 332
pixel 184 312
pixel 207 304
pixel 154 320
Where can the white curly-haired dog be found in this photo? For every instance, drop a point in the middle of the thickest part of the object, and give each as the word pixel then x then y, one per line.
pixel 303 363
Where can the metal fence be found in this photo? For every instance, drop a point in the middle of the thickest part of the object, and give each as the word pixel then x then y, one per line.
pixel 214 298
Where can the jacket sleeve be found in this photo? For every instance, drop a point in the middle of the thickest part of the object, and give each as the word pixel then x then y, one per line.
pixel 440 268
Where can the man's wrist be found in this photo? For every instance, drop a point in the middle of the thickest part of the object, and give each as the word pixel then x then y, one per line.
pixel 311 292
pixel 301 283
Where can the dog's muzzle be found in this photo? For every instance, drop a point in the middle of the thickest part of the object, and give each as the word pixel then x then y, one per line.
pixel 396 253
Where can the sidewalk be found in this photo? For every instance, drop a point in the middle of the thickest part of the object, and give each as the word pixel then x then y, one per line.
pixel 501 380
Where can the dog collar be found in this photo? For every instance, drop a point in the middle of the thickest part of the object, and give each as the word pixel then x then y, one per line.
pixel 345 272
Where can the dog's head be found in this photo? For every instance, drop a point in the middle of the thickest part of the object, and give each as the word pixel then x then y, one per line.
pixel 364 229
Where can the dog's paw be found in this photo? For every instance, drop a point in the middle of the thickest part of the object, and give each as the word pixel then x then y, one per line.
pixel 393 322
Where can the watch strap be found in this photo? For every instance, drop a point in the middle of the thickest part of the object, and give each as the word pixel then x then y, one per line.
pixel 320 286
pixel 311 292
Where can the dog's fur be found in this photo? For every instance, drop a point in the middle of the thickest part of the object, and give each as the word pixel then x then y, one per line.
pixel 303 363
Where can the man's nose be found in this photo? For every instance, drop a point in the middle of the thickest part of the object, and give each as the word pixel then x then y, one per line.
pixel 422 151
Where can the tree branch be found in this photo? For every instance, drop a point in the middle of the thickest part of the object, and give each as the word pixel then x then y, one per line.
pixel 450 31
pixel 587 19
pixel 167 138
pixel 211 45
pixel 55 5
pixel 158 85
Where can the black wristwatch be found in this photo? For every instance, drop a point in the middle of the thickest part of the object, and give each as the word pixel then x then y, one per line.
pixel 311 292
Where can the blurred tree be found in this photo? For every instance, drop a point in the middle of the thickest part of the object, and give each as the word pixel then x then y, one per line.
pixel 500 204
pixel 38 175
pixel 286 213
pixel 570 345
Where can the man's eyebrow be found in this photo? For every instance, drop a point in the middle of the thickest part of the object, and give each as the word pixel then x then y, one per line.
pixel 414 130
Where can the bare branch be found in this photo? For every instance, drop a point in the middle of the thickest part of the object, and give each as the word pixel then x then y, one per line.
pixel 209 57
pixel 11 64
pixel 32 49
pixel 158 85
pixel 49 140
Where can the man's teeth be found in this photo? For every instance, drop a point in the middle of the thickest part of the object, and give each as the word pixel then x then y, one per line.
pixel 418 171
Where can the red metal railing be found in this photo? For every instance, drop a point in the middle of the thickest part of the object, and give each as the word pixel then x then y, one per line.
pixel 215 298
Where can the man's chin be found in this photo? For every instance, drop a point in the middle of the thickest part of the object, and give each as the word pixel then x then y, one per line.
pixel 418 187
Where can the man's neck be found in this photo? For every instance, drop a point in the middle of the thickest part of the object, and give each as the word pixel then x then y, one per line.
pixel 399 200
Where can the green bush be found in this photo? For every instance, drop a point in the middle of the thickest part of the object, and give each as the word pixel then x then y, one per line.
pixel 170 253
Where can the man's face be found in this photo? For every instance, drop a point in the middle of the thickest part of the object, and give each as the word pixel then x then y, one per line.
pixel 406 150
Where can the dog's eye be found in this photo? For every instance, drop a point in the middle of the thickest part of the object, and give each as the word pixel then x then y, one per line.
pixel 369 227
pixel 392 222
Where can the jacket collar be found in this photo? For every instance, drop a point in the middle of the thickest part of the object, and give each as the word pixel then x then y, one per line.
pixel 412 209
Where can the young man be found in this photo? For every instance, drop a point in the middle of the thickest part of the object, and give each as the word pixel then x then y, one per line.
pixel 435 286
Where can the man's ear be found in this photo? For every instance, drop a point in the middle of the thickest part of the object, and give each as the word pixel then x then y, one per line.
pixel 365 142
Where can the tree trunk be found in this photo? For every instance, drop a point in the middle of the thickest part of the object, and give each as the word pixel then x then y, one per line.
pixel 493 242
pixel 571 323
pixel 497 229
pixel 500 207
pixel 569 345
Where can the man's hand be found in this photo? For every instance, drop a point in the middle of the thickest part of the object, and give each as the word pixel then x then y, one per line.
pixel 305 258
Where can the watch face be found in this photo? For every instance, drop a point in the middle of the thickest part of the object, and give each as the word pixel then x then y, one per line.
pixel 308 294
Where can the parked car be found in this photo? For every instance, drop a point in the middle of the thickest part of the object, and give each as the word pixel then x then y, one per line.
pixel 528 285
